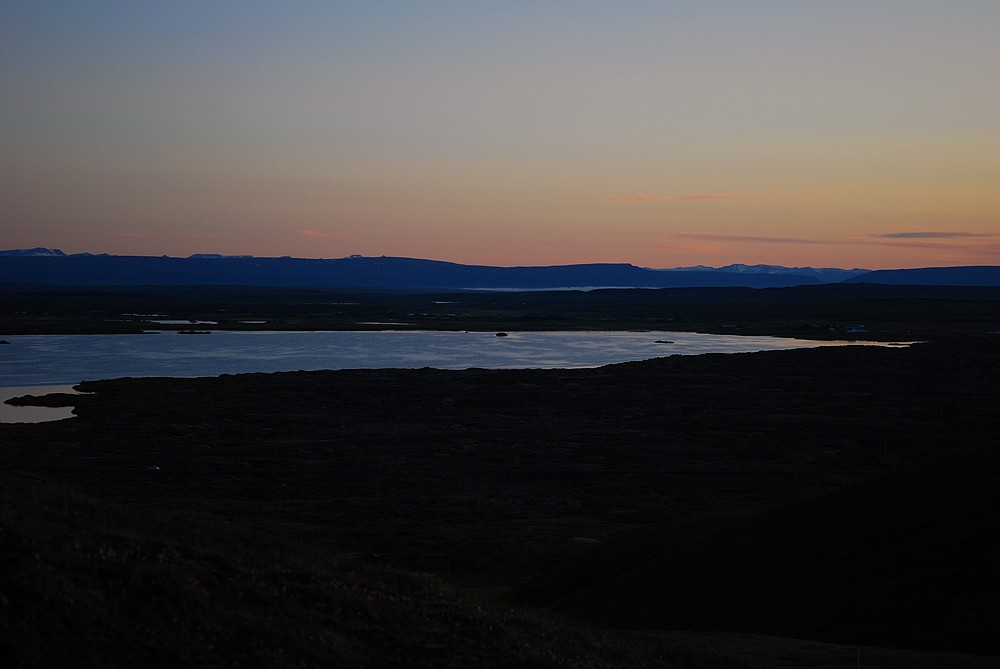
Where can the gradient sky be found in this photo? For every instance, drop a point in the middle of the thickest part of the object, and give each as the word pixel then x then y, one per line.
pixel 664 134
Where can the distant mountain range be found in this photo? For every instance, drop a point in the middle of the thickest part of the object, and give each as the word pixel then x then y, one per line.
pixel 53 267
pixel 824 274
pixel 35 252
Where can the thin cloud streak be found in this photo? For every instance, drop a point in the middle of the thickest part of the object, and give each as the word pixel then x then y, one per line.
pixel 929 245
pixel 314 233
pixel 689 248
pixel 922 240
pixel 717 196
pixel 141 235
pixel 693 197
pixel 928 235
pixel 755 238
pixel 640 198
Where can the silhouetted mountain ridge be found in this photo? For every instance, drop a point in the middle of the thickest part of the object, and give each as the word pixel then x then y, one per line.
pixel 358 271
pixel 825 274
pixel 35 252
pixel 53 267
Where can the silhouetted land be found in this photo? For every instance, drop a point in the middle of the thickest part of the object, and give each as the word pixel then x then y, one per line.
pixel 841 496
pixel 492 478
pixel 823 312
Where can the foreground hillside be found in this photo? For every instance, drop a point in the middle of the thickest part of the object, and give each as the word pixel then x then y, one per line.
pixel 701 499
pixel 910 558
pixel 450 471
pixel 85 583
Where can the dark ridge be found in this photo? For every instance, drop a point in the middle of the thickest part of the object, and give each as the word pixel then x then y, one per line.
pixel 406 273
pixel 979 275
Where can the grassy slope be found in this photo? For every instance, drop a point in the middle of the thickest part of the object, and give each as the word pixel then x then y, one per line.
pixel 85 583
pixel 766 652
pixel 906 559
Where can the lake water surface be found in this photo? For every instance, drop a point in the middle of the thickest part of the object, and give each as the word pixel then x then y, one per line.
pixel 45 360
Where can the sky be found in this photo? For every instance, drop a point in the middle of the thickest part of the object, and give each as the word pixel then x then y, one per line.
pixel 662 134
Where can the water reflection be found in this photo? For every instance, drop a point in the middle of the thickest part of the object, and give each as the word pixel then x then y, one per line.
pixel 12 414
pixel 68 359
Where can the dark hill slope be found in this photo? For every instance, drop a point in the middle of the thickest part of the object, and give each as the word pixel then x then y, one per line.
pixel 906 559
pixel 975 275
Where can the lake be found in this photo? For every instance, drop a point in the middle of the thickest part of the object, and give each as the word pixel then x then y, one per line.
pixel 48 360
